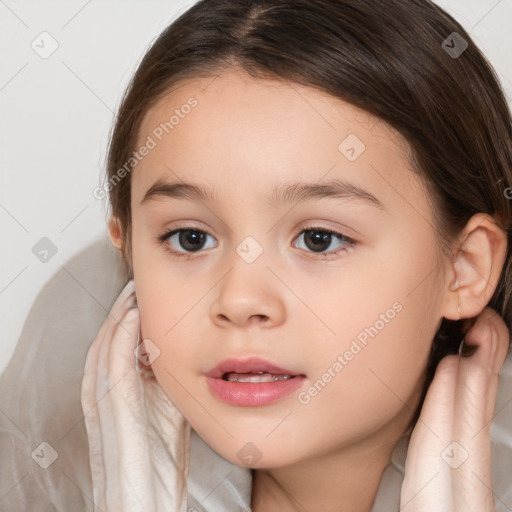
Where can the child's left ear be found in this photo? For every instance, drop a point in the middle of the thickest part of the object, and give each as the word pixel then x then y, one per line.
pixel 476 267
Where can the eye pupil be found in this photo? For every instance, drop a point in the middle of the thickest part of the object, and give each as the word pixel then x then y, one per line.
pixel 191 240
pixel 320 240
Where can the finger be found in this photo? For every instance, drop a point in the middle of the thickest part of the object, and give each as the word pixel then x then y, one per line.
pixel 107 385
pixel 477 386
pixel 489 318
pixel 89 395
pixel 123 301
pixel 91 370
pixel 131 424
pixel 95 367
pixel 437 411
pixel 124 344
pixel 427 482
pixel 479 373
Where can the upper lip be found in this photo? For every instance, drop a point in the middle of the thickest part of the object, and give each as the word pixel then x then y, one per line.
pixel 252 364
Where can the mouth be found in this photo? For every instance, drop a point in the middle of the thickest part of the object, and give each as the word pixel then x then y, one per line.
pixel 252 382
pixel 254 369
pixel 255 377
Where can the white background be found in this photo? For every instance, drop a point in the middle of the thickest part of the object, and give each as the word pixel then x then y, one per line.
pixel 56 113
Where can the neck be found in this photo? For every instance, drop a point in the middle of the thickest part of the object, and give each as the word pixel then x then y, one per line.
pixel 345 479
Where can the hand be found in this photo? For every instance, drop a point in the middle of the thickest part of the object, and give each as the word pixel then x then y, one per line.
pixel 448 464
pixel 138 440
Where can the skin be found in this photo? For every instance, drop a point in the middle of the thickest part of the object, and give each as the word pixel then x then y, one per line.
pixel 448 465
pixel 295 307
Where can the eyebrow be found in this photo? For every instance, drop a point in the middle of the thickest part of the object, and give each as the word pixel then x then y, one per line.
pixel 284 193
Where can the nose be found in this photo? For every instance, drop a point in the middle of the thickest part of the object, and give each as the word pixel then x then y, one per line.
pixel 248 295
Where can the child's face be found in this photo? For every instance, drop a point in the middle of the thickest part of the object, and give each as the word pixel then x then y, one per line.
pixel 357 324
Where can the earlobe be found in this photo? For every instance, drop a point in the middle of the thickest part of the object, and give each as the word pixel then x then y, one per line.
pixel 477 266
pixel 115 233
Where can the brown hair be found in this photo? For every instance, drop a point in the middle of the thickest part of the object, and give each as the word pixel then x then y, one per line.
pixel 391 59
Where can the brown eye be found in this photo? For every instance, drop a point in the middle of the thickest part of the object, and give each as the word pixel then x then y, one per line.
pixel 191 240
pixel 319 240
pixel 184 241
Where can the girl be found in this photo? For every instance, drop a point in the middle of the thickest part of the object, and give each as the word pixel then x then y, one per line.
pixel 310 200
pixel 311 205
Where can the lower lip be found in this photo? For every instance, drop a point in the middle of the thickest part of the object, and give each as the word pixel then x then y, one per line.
pixel 253 393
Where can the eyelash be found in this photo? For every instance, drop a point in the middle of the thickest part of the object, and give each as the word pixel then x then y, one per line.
pixel 350 243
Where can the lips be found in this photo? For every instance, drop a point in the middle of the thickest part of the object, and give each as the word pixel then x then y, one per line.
pixel 252 382
pixel 251 365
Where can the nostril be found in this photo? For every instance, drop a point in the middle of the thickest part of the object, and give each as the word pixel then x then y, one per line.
pixel 262 318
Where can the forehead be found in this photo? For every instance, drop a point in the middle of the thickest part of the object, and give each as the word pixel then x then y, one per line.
pixel 246 134
pixel 260 100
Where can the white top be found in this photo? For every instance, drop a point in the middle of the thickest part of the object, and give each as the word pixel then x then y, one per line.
pixel 50 457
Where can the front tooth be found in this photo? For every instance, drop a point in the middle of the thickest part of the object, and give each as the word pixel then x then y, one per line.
pixel 255 377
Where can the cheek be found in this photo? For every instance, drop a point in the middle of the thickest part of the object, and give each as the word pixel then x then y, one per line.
pixel 383 321
pixel 167 318
pixel 166 321
pixel 382 374
pixel 166 304
pixel 164 296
